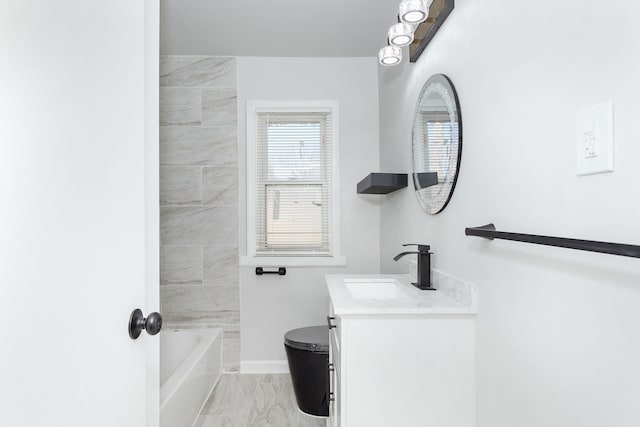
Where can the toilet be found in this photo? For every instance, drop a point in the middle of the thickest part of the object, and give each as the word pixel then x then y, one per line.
pixel 308 356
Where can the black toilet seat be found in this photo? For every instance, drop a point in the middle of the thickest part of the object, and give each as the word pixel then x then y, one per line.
pixel 312 338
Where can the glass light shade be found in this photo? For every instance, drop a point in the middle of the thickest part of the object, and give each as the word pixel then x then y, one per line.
pixel 390 55
pixel 414 11
pixel 401 34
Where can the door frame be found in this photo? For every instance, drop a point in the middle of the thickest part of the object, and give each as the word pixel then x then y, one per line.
pixel 152 205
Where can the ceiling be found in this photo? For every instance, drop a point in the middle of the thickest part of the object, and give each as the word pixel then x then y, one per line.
pixel 308 28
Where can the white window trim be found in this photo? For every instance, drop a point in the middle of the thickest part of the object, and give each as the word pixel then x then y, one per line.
pixel 335 257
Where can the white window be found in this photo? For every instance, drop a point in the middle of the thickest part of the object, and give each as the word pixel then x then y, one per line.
pixel 292 181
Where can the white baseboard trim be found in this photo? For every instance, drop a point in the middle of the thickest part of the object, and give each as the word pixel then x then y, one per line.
pixel 264 367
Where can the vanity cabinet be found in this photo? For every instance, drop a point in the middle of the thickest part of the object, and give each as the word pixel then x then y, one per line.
pixel 401 369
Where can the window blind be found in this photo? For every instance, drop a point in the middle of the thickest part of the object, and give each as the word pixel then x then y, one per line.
pixel 438 153
pixel 293 188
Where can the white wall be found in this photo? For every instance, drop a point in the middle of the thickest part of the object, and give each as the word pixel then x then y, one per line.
pixel 272 305
pixel 558 330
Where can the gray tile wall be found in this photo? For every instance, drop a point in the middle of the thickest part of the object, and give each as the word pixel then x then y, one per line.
pixel 199 197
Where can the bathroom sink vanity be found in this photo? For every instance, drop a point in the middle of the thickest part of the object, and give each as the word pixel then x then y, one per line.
pixel 399 356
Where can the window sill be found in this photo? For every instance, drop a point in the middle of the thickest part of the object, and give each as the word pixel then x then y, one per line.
pixel 288 261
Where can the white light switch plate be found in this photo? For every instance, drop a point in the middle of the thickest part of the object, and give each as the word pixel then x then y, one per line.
pixel 594 139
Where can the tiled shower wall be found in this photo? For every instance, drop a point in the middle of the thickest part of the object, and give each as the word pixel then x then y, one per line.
pixel 199 197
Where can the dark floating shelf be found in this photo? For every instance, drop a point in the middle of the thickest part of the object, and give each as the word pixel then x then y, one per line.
pixel 382 183
pixel 489 232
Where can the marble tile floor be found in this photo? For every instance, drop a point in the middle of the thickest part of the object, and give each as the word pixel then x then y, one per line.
pixel 254 400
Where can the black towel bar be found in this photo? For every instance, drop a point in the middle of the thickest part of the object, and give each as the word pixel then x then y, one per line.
pixel 489 232
pixel 280 271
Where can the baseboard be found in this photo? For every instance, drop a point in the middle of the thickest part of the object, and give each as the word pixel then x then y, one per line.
pixel 264 367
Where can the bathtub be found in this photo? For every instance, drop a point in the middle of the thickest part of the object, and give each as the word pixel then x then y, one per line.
pixel 190 364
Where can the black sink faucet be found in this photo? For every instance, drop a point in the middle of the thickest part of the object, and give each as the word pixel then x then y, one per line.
pixel 424 266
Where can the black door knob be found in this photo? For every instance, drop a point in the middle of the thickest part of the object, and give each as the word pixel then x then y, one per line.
pixel 137 322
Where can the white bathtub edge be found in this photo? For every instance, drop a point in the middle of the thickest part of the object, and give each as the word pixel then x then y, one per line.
pixel 169 388
pixel 215 383
pixel 186 391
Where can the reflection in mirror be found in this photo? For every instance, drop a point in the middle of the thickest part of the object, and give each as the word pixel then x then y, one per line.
pixel 425 179
pixel 437 143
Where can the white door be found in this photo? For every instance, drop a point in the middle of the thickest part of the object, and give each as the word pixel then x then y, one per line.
pixel 78 211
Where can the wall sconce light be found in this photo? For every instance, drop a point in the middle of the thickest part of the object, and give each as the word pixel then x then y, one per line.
pixel 400 34
pixel 418 22
pixel 410 14
pixel 390 55
pixel 413 11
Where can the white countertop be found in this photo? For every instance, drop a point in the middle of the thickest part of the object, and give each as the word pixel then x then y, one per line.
pixel 413 301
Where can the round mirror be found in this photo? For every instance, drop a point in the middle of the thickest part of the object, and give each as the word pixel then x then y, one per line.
pixel 437 143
